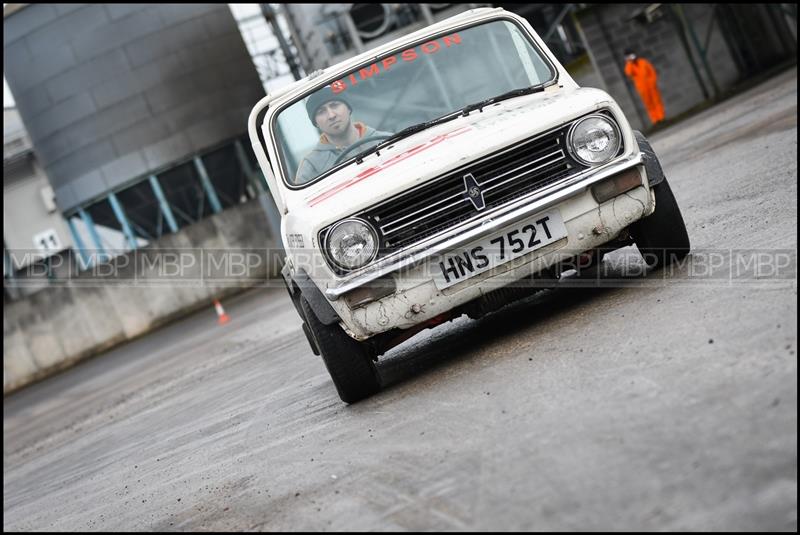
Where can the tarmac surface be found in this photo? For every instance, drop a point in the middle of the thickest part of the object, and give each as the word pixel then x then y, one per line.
pixel 667 402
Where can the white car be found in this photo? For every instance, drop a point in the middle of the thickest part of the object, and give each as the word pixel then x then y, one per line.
pixel 445 173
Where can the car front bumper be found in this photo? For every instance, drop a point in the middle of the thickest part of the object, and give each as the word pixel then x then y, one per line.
pixel 416 298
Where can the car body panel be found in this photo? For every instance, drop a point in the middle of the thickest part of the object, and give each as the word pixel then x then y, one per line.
pixel 422 158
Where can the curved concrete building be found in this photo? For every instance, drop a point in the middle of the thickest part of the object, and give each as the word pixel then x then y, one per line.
pixel 114 94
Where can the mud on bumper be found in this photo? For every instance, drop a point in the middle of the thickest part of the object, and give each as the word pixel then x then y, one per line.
pixel 416 298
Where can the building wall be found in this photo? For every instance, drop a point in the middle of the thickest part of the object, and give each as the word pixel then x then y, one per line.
pixel 608 29
pixel 111 92
pixel 24 212
pixel 719 56
pixel 84 313
pixel 25 187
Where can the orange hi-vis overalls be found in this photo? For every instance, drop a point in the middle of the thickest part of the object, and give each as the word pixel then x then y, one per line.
pixel 644 78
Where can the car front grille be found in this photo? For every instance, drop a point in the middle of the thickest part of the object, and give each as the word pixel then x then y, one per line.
pixel 443 203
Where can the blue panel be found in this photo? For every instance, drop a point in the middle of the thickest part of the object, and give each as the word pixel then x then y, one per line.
pixel 207 186
pixel 123 220
pixel 87 220
pixel 162 201
pixel 243 161
pixel 82 253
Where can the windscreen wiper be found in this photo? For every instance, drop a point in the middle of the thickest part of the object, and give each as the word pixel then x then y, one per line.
pixel 463 112
pixel 405 132
pixel 466 110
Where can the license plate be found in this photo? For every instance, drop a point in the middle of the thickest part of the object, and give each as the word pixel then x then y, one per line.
pixel 498 248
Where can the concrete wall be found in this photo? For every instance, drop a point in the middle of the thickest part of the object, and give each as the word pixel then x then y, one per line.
pixel 607 30
pixel 25 188
pixel 24 211
pixel 82 314
pixel 112 92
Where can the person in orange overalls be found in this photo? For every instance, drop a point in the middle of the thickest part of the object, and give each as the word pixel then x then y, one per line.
pixel 644 78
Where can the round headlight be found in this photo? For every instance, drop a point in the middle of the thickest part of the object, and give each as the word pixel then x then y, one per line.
pixel 352 243
pixel 594 140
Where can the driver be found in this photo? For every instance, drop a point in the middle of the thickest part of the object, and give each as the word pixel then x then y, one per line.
pixel 331 114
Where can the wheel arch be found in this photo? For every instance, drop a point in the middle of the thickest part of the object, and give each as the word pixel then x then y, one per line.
pixel 655 173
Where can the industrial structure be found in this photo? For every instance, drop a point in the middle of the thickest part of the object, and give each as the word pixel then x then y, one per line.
pixel 329 33
pixel 137 114
pixel 701 52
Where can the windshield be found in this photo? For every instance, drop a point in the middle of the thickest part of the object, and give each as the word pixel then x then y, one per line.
pixel 331 126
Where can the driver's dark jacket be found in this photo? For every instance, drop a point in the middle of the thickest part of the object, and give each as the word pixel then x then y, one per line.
pixel 321 157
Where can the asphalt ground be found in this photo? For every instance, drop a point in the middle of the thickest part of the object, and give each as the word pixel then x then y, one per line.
pixel 667 401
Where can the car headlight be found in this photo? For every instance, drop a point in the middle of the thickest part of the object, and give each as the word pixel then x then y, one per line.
pixel 352 243
pixel 594 140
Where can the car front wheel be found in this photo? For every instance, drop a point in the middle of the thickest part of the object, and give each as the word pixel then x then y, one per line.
pixel 354 374
pixel 661 237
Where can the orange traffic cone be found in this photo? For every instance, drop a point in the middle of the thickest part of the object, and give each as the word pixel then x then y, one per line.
pixel 222 317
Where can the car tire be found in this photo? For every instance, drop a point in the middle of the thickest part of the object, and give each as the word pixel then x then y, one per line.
pixel 353 372
pixel 661 237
